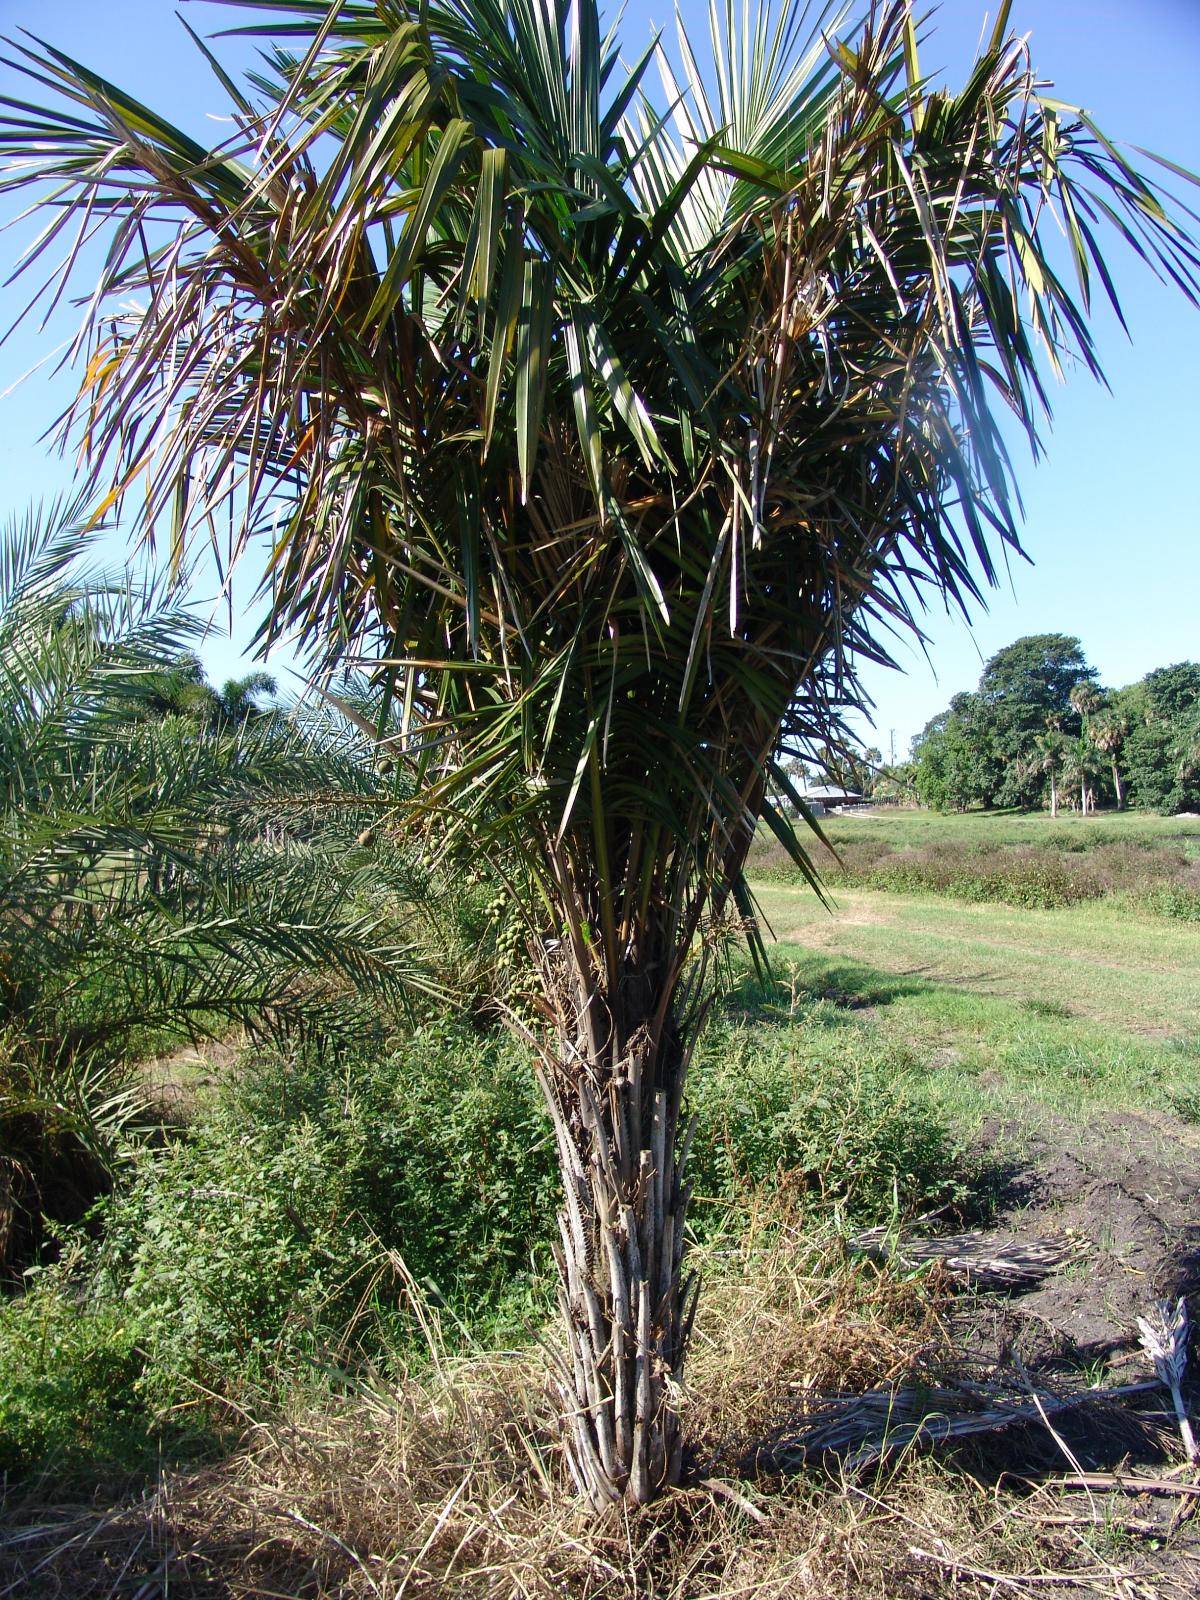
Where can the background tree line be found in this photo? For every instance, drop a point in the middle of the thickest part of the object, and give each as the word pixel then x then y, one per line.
pixel 1040 731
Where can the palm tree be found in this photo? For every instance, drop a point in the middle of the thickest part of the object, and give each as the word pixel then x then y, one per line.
pixel 614 436
pixel 1082 770
pixel 1086 699
pixel 1050 754
pixel 239 697
pixel 180 689
pixel 1108 733
pixel 138 889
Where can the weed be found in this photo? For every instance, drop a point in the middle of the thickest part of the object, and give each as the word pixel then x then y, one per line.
pixel 71 1403
pixel 823 1113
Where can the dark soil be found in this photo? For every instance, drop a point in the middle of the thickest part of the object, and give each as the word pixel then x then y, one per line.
pixel 1126 1190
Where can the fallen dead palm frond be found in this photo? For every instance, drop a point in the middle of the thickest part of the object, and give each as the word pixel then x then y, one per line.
pixel 1125 1483
pixel 863 1430
pixel 1164 1340
pixel 977 1258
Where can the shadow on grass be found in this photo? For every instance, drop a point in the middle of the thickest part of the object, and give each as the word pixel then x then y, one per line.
pixel 115 1449
pixel 181 1537
pixel 797 985
pixel 793 989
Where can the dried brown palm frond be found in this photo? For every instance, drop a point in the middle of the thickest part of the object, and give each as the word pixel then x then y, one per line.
pixel 977 1258
pixel 1164 1338
pixel 863 1430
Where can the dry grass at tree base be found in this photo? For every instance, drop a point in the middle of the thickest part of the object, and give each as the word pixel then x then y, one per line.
pixel 451 1483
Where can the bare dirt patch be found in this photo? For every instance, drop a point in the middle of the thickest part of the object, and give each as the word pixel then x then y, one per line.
pixel 1123 1187
pixel 173 1081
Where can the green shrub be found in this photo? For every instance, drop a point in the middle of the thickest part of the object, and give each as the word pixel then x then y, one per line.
pixel 831 1116
pixel 446 1149
pixel 1181 904
pixel 316 1207
pixel 70 1401
pixel 1058 866
pixel 312 1203
pixel 319 1210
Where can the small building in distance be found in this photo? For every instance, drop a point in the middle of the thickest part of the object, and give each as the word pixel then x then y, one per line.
pixel 822 797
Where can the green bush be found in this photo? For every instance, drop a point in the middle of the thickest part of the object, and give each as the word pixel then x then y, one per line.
pixel 1060 867
pixel 317 1207
pixel 69 1388
pixel 1168 900
pixel 314 1208
pixel 833 1117
pixel 319 1210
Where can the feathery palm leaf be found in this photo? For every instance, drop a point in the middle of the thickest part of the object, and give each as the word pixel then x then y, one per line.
pixel 159 879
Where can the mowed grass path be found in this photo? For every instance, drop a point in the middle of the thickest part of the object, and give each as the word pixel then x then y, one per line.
pixel 1002 1011
pixel 1096 962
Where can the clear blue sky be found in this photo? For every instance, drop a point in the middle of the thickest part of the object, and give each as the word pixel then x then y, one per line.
pixel 1113 514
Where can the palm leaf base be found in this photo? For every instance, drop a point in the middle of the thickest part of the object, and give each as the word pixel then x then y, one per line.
pixel 626 1307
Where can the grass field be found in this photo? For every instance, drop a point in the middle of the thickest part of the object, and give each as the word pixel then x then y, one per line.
pixel 904 829
pixel 1145 864
pixel 1138 976
pixel 1007 1009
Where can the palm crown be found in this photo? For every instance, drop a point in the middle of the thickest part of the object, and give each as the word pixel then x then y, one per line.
pixel 617 433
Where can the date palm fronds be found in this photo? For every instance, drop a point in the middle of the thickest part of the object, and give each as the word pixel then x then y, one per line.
pixel 863 1430
pixel 162 878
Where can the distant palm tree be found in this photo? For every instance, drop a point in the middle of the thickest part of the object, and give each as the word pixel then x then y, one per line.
pixel 1108 732
pixel 182 689
pixel 239 697
pixel 1051 751
pixel 617 434
pixel 1086 699
pixel 1081 770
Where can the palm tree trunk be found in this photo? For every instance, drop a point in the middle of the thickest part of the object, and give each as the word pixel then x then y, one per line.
pixel 625 1305
pixel 1053 795
pixel 1117 785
